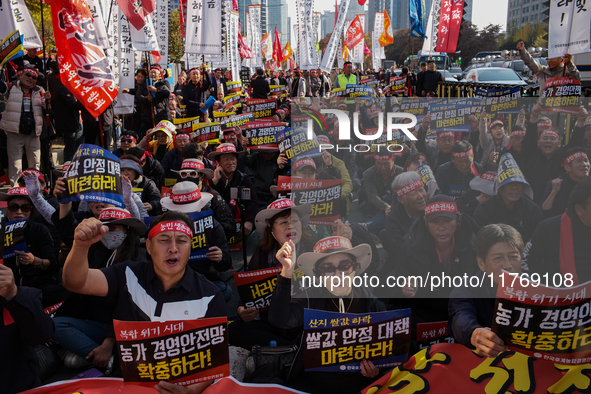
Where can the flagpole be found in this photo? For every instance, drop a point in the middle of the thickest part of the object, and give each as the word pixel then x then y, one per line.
pixel 43 42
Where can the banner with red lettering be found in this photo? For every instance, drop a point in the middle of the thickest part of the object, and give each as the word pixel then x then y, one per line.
pixel 84 68
pixel 434 369
pixel 182 351
pixel 354 33
pixel 137 11
pixel 450 22
pixel 561 95
pixel 261 135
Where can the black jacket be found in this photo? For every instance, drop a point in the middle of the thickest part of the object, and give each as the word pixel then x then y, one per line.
pixel 242 181
pixel 419 257
pixel 65 110
pixel 524 218
pixel 149 193
pixel 431 80
pixel 561 199
pixel 194 94
pixel 469 309
pixel 263 171
pixel 153 170
pixel 142 104
pixel 538 170
pixel 397 225
pixel 448 176
pixel 221 211
pixel 542 253
pixel 19 366
pixel 160 101
pixel 260 88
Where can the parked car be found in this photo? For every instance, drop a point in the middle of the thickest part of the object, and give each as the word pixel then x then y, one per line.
pixel 447 77
pixel 471 67
pixel 494 75
pixel 456 72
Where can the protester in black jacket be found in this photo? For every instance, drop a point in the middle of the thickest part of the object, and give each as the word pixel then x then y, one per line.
pixel 431 79
pixel 150 166
pixel 560 245
pixel 159 93
pixel 454 178
pixel 194 92
pixel 141 104
pixel 263 165
pixel 471 309
pixel 260 86
pixel 66 116
pixel 145 188
pixel 24 325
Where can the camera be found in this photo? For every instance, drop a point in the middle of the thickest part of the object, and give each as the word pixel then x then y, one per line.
pixel 240 193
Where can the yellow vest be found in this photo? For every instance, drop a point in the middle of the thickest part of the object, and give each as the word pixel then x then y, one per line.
pixel 343 81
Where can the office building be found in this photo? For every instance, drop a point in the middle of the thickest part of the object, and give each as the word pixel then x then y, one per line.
pixel 521 12
pixel 277 16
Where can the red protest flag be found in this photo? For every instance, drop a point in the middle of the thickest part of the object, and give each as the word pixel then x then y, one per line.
pixel 277 51
pixel 136 11
pixel 245 51
pixel 354 33
pixel 84 68
pixel 450 22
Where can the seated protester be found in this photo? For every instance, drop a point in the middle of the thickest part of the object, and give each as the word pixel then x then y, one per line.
pixel 37 191
pixel 581 135
pixel 541 156
pixel 178 293
pixel 334 256
pixel 173 104
pixel 377 181
pixel 226 177
pixel 329 161
pixel 234 136
pixel 143 187
pixel 517 136
pixel 561 244
pixel 173 159
pixel 194 151
pixel 84 323
pixel 159 140
pixel 346 156
pixel 492 138
pixel 24 326
pixel 441 152
pixel 576 164
pixel 218 257
pixel 440 242
pixel 263 164
pixel 159 92
pixel 128 140
pixel 512 204
pixel 35 265
pixel 193 170
pixel 481 189
pixel 454 178
pixel 412 198
pixel 281 222
pixel 498 247
pixel 150 166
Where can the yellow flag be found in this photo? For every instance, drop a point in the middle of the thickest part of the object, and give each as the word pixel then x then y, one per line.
pixel 387 36
pixel 287 53
pixel 264 45
pixel 345 53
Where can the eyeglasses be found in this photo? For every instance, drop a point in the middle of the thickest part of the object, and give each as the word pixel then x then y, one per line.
pixel 344 266
pixel 126 140
pixel 30 75
pixel 14 207
pixel 190 174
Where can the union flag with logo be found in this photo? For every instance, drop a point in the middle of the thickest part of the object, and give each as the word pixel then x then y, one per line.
pixel 84 68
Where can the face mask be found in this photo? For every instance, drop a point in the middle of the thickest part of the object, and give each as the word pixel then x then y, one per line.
pixel 113 239
pixel 342 291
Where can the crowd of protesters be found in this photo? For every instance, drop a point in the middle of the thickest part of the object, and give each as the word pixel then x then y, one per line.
pixel 103 263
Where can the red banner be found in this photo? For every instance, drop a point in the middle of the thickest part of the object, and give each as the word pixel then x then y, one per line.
pixel 432 371
pixel 450 22
pixel 84 68
pixel 277 51
pixel 245 51
pixel 136 11
pixel 354 33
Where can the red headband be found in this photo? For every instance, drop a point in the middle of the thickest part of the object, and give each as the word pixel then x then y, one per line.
pixel 186 198
pixel 550 132
pixel 29 70
pixel 327 244
pixel 182 135
pixel 494 123
pixel 445 134
pixel 574 157
pixel 462 154
pixel 441 207
pixel 409 188
pixel 230 136
pixel 544 124
pixel 383 157
pixel 170 226
pixel 518 132
pixel 131 137
pixel 488 176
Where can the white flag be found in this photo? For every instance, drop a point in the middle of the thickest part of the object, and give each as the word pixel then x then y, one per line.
pixel 15 16
pixel 161 25
pixel 144 40
pixel 204 26
pixel 232 50
pixel 125 56
pixel 568 30
pixel 255 15
pixel 331 48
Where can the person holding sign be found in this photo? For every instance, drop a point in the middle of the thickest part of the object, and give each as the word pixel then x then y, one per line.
pixel 557 66
pixel 333 259
pixel 160 290
pixel 187 198
pixel 498 248
pixel 33 258
pixel 193 92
